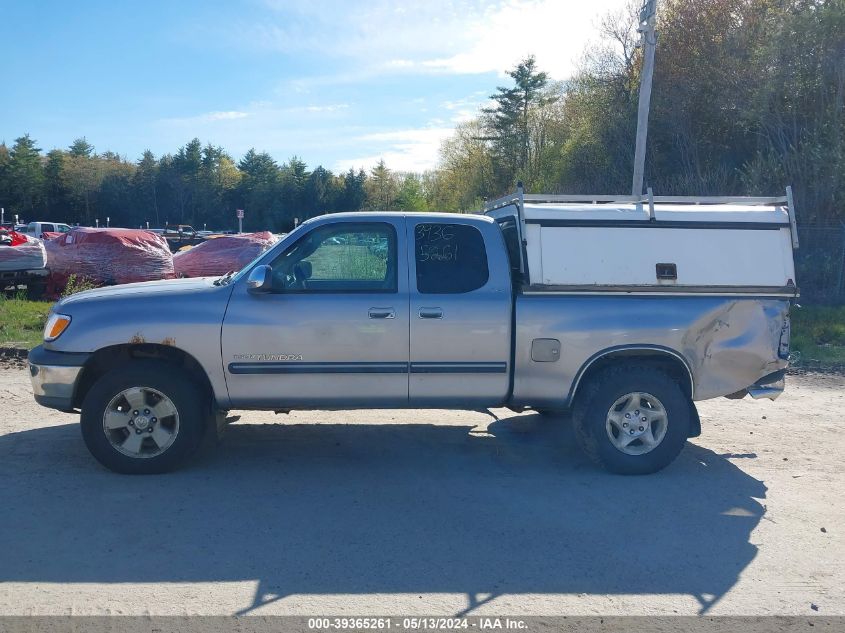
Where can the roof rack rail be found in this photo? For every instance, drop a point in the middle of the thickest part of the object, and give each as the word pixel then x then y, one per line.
pixel 750 200
pixel 519 198
pixel 604 198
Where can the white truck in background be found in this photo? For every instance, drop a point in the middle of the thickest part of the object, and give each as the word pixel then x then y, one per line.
pixel 38 229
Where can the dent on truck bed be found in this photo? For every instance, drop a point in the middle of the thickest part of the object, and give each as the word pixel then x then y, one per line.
pixel 733 346
pixel 727 343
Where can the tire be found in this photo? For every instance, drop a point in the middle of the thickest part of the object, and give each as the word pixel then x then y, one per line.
pixel 162 445
pixel 608 402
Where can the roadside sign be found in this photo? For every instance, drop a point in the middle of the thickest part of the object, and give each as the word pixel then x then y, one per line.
pixel 240 214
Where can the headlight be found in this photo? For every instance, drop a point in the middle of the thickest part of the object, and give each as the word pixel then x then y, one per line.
pixel 56 324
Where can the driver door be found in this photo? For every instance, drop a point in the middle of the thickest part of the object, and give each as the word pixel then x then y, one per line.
pixel 334 330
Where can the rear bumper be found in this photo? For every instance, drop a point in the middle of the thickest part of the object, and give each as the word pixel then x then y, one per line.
pixel 54 376
pixel 770 386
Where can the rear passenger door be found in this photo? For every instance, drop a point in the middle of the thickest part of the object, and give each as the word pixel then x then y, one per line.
pixel 460 316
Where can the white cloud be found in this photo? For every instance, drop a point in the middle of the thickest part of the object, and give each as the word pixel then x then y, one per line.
pixel 555 32
pixel 398 64
pixel 261 109
pixel 208 117
pixel 332 107
pixel 356 44
pixel 402 150
pixel 466 109
pixel 280 129
pixel 438 36
pixel 228 115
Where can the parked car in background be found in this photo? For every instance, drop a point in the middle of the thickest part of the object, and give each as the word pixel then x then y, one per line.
pixel 181 235
pixel 38 229
pixel 23 263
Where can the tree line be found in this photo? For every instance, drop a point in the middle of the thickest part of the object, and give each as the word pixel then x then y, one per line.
pixel 199 185
pixel 748 96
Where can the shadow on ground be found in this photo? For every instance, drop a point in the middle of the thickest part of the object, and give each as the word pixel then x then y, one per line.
pixel 360 509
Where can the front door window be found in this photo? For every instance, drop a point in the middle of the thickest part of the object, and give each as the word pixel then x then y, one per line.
pixel 342 258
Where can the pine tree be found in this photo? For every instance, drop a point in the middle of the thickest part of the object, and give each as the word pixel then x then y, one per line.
pixel 508 122
pixel 145 183
pixel 81 148
pixel 381 188
pixel 26 175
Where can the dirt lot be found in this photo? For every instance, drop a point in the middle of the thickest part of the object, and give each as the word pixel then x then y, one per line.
pixel 430 512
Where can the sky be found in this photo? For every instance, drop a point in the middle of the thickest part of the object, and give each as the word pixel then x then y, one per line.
pixel 337 83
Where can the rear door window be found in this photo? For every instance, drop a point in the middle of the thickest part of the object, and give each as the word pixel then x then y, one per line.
pixel 450 258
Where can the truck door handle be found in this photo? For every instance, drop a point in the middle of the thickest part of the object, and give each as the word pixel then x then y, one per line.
pixel 382 313
pixel 431 313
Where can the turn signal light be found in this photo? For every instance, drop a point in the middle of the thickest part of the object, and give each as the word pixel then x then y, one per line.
pixel 56 324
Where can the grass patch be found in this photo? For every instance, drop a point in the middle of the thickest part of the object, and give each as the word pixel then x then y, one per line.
pixel 22 322
pixel 818 333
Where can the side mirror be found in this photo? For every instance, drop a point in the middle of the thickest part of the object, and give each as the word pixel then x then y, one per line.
pixel 260 279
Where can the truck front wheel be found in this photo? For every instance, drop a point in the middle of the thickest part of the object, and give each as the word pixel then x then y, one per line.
pixel 632 420
pixel 147 417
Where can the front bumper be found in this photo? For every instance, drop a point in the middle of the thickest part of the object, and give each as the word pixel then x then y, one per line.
pixel 54 376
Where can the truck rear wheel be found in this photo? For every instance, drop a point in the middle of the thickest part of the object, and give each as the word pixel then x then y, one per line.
pixel 632 420
pixel 145 418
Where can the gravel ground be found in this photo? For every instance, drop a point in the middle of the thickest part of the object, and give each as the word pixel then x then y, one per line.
pixel 430 512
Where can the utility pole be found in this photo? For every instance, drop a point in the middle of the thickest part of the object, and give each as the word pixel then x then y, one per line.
pixel 648 15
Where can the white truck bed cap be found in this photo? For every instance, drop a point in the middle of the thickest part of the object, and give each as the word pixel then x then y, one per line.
pixel 727 213
pixel 655 243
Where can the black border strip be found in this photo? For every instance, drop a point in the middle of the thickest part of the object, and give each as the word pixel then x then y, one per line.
pixel 40 356
pixel 661 289
pixel 296 367
pixel 660 224
pixel 459 368
pixel 318 368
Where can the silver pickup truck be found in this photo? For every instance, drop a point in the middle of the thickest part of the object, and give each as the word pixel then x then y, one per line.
pixel 393 310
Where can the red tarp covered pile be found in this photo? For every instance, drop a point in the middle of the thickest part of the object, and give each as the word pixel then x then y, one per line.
pixel 108 256
pixel 20 252
pixel 219 255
